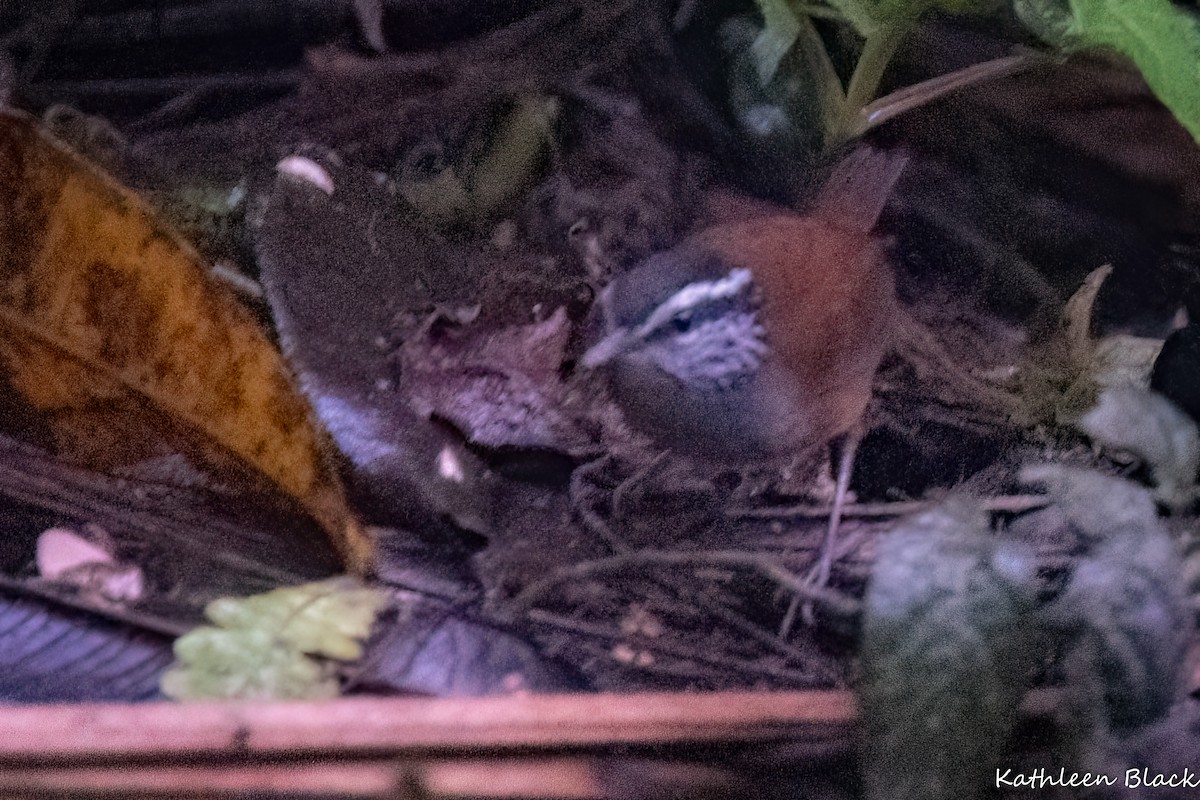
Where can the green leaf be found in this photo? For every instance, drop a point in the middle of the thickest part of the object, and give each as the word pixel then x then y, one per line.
pixel 791 63
pixel 864 15
pixel 780 30
pixel 1127 606
pixel 515 154
pixel 1124 610
pixel 795 107
pixel 1190 545
pixel 967 6
pixel 1050 20
pixel 947 648
pixel 1098 507
pixel 266 646
pixel 1159 36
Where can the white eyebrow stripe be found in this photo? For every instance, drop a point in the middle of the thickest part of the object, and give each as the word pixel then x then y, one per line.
pixel 692 295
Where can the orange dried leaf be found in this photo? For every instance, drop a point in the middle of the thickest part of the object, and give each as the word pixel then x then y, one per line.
pixel 112 330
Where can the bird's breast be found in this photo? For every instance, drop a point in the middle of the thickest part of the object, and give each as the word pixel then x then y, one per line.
pixel 828 297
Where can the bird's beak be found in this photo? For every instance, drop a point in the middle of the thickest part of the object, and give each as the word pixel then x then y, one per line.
pixel 611 346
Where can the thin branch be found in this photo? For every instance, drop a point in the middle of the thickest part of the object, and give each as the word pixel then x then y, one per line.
pixel 524 601
pixel 659 646
pixel 1002 504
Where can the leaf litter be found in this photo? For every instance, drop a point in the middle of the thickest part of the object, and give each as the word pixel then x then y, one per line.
pixel 431 396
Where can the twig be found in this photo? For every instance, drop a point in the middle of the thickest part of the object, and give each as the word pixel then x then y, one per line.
pixel 1002 504
pixel 626 487
pixel 581 491
pixel 921 94
pixel 524 602
pixel 369 727
pixel 921 347
pixel 712 604
pixel 792 677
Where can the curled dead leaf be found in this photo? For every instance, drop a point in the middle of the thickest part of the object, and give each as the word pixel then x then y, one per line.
pixel 501 388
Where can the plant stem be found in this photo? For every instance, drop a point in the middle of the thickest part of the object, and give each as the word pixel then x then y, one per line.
pixel 919 94
pixel 878 50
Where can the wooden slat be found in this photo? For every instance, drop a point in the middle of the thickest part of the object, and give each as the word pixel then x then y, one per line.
pixel 348 780
pixel 569 778
pixel 406 727
pixel 560 778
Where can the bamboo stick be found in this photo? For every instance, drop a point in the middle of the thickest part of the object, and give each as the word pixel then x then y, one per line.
pixel 408 727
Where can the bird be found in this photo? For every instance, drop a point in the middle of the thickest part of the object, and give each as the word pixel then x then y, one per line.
pixel 759 338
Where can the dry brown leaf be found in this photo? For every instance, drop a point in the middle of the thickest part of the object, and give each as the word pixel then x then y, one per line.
pixel 1077 316
pixel 111 330
pixel 501 388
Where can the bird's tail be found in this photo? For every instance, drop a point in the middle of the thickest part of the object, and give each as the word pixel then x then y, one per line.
pixel 859 187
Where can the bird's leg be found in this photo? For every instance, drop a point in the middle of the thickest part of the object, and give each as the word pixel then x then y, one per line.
pixel 841 455
pixel 842 452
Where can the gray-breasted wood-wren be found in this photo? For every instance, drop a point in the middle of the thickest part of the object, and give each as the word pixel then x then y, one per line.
pixel 759 337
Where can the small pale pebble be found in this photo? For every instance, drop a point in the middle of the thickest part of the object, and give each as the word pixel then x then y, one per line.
pixel 623 653
pixel 504 235
pixel 306 170
pixel 450 465
pixel 126 585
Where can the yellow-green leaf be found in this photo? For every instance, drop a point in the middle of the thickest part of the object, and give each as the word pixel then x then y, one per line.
pixel 275 645
pixel 327 618
pixel 515 155
pixel 246 665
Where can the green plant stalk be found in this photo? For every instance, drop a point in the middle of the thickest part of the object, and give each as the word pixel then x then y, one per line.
pixel 832 96
pixel 877 53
